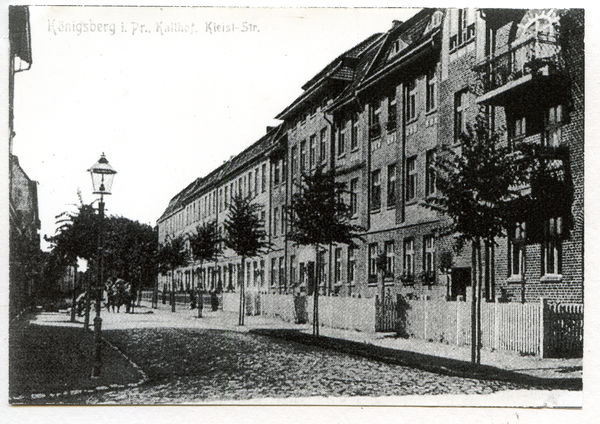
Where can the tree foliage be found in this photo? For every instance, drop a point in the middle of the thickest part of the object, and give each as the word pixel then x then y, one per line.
pixel 172 254
pixel 129 247
pixel 318 214
pixel 244 230
pixel 205 243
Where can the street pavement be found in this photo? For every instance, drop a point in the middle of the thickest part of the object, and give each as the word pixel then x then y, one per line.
pixel 213 360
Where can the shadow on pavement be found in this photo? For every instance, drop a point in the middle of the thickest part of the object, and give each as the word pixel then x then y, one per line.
pixel 436 364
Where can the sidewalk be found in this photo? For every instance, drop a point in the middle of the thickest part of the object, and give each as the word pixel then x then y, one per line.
pixel 415 352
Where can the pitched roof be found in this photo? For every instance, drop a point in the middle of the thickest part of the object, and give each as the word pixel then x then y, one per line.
pixel 222 173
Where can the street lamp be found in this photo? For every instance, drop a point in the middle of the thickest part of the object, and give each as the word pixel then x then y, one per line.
pixel 102 177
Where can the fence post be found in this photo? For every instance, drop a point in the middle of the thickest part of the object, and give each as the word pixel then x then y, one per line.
pixel 543 326
pixel 496 325
pixel 425 306
pixel 457 304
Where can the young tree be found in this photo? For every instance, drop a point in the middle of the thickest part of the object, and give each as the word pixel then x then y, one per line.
pixel 245 235
pixel 205 244
pixel 172 254
pixel 479 183
pixel 318 216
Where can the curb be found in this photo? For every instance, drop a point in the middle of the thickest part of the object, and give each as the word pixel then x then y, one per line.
pixel 16 400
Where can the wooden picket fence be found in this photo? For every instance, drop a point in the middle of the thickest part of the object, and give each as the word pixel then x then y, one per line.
pixel 544 329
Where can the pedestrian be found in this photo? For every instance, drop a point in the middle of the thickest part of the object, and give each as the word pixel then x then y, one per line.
pixel 192 298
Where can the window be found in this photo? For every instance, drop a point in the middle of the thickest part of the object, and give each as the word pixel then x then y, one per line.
pixel 262 273
pixel 351 265
pixel 391 186
pixel 220 199
pixel 373 262
pixel 323 145
pixel 392 112
pixel 293 270
pixel 461 103
pixel 273 272
pixel 313 151
pixel 282 221
pixel 516 247
pixel 226 198
pixel 375 190
pixel 518 129
pixel 342 140
pixel 430 185
pixel 409 258
pixel 276 170
pixel 354 196
pixel 275 221
pixel 411 100
pixel 256 190
pixel 338 265
pixel 354 133
pixel 281 271
pixel 250 188
pixel 431 98
pixel 263 183
pixel 429 255
pixel 552 247
pixel 389 259
pixel 553 121
pixel 293 160
pixel 240 187
pixel 374 123
pixel 411 178
pixel 255 274
pixel 303 156
pixel 462 29
pixel 322 268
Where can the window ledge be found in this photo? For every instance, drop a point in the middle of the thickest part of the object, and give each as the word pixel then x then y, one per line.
pixel 375 210
pixel 411 202
pixel 431 112
pixel 515 279
pixel 551 277
pixel 412 121
pixel 355 150
pixel 342 156
pixel 389 208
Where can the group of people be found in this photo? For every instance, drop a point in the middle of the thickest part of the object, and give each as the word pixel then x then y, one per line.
pixel 118 292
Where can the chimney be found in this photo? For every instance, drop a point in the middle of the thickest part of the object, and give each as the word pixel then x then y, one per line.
pixel 269 129
pixel 396 24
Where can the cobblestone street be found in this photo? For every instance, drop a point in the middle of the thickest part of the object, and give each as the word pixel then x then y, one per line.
pixel 203 365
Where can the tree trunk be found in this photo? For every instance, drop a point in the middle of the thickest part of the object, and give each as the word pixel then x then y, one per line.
pixel 74 305
pixel 199 299
pixel 173 290
pixel 316 293
pixel 476 277
pixel 242 292
pixel 479 285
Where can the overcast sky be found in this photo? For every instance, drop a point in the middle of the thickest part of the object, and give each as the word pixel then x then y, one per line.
pixel 166 107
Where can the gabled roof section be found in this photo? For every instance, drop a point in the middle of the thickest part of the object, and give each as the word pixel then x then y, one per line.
pixel 343 68
pixel 203 184
pixel 404 37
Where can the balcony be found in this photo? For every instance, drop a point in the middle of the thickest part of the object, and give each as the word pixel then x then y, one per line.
pixel 522 65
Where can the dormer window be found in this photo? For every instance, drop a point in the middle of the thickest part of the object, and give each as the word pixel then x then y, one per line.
pixel 397 46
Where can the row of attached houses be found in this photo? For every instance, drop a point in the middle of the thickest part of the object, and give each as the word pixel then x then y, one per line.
pixel 375 115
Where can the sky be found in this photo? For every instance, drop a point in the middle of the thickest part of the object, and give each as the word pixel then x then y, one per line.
pixel 167 94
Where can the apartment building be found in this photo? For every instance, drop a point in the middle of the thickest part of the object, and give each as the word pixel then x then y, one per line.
pixel 376 115
pixel 207 199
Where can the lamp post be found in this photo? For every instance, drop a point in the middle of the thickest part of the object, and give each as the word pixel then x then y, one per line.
pixel 102 177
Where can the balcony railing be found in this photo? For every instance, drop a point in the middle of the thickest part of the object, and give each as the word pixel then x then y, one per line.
pixel 539 55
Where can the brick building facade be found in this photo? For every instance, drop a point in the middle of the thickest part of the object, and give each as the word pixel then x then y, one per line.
pixel 376 115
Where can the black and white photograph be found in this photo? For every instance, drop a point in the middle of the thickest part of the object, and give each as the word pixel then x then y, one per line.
pixel 295 206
